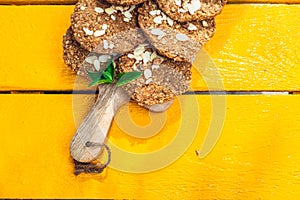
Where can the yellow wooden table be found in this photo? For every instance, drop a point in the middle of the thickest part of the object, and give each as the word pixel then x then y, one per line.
pixel 256 49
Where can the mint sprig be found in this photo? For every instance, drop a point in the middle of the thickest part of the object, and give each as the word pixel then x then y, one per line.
pixel 107 76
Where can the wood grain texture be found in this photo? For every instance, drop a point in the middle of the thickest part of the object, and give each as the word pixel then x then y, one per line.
pixel 256 47
pixel 257 156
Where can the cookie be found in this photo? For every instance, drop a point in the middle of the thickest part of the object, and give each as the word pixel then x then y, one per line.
pixel 73 53
pixel 126 2
pixel 161 80
pixel 80 60
pixel 178 41
pixel 104 28
pixel 190 10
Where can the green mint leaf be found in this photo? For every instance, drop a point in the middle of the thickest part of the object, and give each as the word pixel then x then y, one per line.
pixel 103 81
pixel 93 83
pixel 98 82
pixel 120 75
pixel 110 68
pixel 103 76
pixel 127 77
pixel 94 75
pixel 107 75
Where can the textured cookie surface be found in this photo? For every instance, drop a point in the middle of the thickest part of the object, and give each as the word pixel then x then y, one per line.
pixel 73 54
pixel 189 10
pixel 178 41
pixel 126 2
pixel 161 77
pixel 79 59
pixel 104 28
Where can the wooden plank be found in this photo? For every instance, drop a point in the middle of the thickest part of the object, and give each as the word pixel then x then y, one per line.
pixel 265 1
pixel 255 48
pixel 257 156
pixel 67 2
pixel 38 2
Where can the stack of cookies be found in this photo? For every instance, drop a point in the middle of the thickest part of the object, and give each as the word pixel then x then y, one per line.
pixel 158 37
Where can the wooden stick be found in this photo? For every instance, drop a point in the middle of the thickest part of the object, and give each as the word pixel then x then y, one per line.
pixel 96 125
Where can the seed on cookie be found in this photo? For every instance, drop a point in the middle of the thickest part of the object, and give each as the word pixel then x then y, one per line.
pixel 190 10
pixel 104 58
pixel 99 10
pixel 93 62
pixel 88 31
pixel 91 59
pixel 192 27
pixel 99 33
pixel 179 41
pixel 182 37
pixel 96 65
pixel 147 73
pixel 204 23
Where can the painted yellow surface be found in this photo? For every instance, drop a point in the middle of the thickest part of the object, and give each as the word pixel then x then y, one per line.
pixel 256 47
pixel 265 1
pixel 257 156
pixel 39 2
